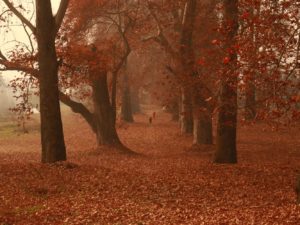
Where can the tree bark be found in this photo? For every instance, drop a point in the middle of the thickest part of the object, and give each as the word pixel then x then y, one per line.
pixel 52 137
pixel 135 101
pixel 227 116
pixel 250 104
pixel 202 123
pixel 297 189
pixel 186 114
pixel 187 61
pixel 79 108
pixel 175 109
pixel 126 111
pixel 114 95
pixel 250 101
pixel 104 118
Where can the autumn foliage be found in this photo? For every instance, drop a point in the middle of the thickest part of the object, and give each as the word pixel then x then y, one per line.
pixel 108 74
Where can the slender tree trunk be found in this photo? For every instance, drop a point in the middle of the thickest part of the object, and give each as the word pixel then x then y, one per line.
pixel 186 114
pixel 250 103
pixel 104 118
pixel 114 95
pixel 135 101
pixel 175 109
pixel 52 137
pixel 297 189
pixel 126 111
pixel 187 61
pixel 227 117
pixel 202 124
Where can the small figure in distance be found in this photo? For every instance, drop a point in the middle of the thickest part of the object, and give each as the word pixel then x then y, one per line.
pixel 150 120
pixel 153 115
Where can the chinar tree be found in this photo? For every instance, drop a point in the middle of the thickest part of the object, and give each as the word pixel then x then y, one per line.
pixel 45 32
pixel 227 116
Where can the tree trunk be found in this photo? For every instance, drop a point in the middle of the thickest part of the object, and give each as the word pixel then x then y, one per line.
pixel 175 109
pixel 202 119
pixel 187 62
pixel 52 137
pixel 186 114
pixel 114 95
pixel 227 117
pixel 104 118
pixel 250 105
pixel 79 108
pixel 135 101
pixel 126 112
pixel 203 127
pixel 297 189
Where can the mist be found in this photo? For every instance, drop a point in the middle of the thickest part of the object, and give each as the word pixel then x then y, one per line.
pixel 7 100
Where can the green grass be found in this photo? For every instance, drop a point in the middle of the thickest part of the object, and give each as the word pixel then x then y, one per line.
pixel 8 128
pixel 29 210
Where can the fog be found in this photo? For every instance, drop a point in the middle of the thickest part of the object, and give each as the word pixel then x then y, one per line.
pixel 6 99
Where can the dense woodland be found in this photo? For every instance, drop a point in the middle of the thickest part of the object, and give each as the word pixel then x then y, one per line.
pixel 149 112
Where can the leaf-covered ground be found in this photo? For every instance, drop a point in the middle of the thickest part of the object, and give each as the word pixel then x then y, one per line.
pixel 169 183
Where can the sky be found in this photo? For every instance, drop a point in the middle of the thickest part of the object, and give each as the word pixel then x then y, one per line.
pixel 17 34
pixel 8 42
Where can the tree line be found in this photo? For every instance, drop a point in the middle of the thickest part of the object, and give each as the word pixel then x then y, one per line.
pixel 235 60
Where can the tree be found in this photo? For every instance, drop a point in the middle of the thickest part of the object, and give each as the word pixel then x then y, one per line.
pixel 207 66
pixel 79 64
pixel 92 63
pixel 227 114
pixel 180 41
pixel 180 49
pixel 47 26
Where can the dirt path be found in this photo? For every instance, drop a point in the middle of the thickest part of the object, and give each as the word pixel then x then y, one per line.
pixel 169 184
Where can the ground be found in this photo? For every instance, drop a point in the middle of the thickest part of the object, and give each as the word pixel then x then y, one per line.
pixel 168 183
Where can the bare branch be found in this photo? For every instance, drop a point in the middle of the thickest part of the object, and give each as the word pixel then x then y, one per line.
pixel 20 16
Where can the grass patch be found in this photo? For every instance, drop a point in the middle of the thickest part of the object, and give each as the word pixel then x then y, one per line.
pixel 8 129
pixel 29 209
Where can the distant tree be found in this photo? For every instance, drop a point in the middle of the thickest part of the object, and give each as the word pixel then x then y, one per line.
pixel 89 64
pixel 181 29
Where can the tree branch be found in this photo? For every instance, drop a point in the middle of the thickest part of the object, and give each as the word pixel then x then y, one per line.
pixel 76 107
pixel 61 14
pixel 20 16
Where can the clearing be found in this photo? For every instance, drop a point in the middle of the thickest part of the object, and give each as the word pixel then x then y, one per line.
pixel 170 183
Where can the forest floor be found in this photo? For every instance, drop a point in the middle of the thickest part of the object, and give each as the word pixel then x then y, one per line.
pixel 169 183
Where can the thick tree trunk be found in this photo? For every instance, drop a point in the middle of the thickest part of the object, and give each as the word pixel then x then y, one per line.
pixel 227 117
pixel 52 137
pixel 126 111
pixel 104 118
pixel 186 114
